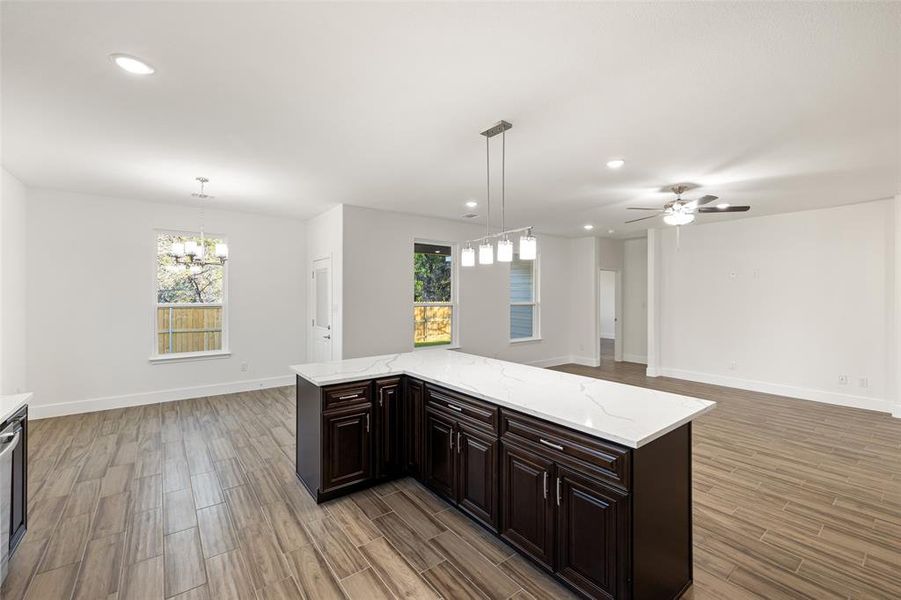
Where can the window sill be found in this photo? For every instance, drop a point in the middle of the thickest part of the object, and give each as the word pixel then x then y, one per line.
pixel 438 347
pixel 528 339
pixel 189 356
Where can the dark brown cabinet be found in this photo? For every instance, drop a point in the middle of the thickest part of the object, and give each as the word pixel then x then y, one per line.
pixel 439 468
pixel 347 443
pixel 461 465
pixel 389 430
pixel 606 520
pixel 413 417
pixel 18 514
pixel 527 504
pixel 589 558
pixel 477 474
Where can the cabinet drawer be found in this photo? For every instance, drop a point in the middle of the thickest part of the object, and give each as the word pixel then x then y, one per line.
pixel 346 394
pixel 472 409
pixel 609 461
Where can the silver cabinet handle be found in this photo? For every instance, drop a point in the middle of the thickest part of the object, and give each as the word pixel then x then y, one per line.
pixel 348 397
pixel 450 441
pixel 458 442
pixel 367 422
pixel 380 400
pixel 545 485
pixel 454 407
pixel 550 444
pixel 10 445
pixel 558 491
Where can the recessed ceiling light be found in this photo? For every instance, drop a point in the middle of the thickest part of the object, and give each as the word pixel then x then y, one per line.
pixel 615 163
pixel 611 231
pixel 588 227
pixel 131 64
pixel 723 205
pixel 472 204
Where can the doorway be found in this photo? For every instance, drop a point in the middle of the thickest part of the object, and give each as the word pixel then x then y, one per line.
pixel 321 303
pixel 609 316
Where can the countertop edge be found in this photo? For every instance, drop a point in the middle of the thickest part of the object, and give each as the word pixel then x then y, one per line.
pixel 633 444
pixel 16 402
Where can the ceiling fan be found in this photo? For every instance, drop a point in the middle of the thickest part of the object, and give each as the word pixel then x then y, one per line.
pixel 682 212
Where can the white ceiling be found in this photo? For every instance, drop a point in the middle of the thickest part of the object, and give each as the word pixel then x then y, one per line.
pixel 291 108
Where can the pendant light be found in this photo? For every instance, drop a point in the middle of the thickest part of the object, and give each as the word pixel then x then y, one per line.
pixel 528 246
pixel 190 252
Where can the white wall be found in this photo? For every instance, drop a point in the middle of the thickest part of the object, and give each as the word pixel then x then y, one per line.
pixel 325 239
pixel 12 285
pixel 635 300
pixel 582 270
pixel 607 291
pixel 378 290
pixel 793 300
pixel 91 296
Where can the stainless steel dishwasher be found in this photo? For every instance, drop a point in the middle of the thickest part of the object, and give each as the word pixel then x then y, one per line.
pixel 9 439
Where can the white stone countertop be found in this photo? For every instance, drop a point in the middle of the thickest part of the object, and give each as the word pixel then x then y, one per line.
pixel 10 405
pixel 624 414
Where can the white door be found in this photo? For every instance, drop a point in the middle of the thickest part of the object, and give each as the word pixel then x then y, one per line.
pixel 321 301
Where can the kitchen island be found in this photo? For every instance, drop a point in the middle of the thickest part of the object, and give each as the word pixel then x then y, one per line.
pixel 590 479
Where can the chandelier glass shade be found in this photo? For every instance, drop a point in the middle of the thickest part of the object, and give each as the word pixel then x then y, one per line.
pixel 191 253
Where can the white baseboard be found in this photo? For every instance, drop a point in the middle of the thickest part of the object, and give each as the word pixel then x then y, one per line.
pixel 636 358
pixel 43 411
pixel 587 361
pixel 565 360
pixel 827 397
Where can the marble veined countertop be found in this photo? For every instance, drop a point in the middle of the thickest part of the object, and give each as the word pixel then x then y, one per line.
pixel 10 405
pixel 624 414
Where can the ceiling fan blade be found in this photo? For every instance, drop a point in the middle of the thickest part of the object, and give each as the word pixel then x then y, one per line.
pixel 640 208
pixel 713 209
pixel 705 200
pixel 642 218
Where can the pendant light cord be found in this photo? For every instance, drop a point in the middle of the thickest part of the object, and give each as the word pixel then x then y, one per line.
pixel 503 179
pixel 488 187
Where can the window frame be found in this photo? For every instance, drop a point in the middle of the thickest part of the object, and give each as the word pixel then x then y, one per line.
pixel 224 352
pixel 535 303
pixel 455 294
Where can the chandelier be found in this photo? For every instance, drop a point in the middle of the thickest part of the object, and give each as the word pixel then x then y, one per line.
pixel 528 246
pixel 190 253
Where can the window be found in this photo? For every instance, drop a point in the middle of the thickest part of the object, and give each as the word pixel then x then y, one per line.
pixel 523 299
pixel 434 296
pixel 190 301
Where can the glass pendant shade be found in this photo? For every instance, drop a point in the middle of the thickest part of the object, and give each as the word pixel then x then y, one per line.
pixel 528 247
pixel 505 251
pixel 221 250
pixel 486 253
pixel 678 218
pixel 178 249
pixel 468 257
pixel 191 248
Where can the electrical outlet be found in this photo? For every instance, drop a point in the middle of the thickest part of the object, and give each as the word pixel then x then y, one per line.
pixel 732 366
pixel 733 275
pixel 244 367
pixel 843 380
pixel 864 382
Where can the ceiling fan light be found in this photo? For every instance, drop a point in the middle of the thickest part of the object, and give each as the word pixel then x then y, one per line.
pixel 486 253
pixel 678 218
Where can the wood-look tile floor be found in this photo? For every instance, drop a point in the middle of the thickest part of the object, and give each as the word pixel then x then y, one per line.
pixel 792 499
pixel 198 500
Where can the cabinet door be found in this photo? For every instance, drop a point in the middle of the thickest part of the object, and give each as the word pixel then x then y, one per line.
pixel 477 474
pixel 439 453
pixel 527 504
pixel 413 421
pixel 592 535
pixel 346 446
pixel 389 429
